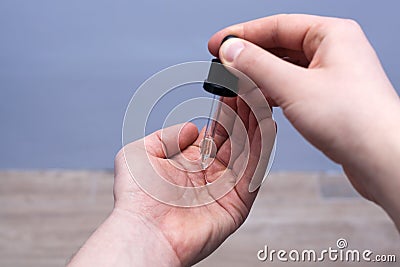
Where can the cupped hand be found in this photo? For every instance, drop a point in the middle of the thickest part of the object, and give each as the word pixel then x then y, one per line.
pixel 173 155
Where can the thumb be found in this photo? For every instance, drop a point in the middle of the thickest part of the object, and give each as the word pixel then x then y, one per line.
pixel 277 78
pixel 172 140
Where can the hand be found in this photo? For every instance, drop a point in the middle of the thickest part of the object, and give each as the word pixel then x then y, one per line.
pixel 332 88
pixel 147 232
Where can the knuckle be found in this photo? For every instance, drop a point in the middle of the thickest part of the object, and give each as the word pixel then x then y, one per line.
pixel 347 29
pixel 350 25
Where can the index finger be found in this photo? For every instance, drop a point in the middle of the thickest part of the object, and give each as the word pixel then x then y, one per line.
pixel 288 31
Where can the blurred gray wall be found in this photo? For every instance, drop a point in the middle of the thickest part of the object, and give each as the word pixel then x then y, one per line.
pixel 69 68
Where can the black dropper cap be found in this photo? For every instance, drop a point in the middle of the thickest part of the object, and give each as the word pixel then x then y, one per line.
pixel 221 81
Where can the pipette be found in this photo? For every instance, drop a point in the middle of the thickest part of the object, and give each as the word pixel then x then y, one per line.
pixel 207 146
pixel 220 82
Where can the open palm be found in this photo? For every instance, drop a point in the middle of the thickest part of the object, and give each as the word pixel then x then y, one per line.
pixel 194 232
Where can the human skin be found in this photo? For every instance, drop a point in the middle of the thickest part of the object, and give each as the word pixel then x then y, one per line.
pixel 331 87
pixel 142 231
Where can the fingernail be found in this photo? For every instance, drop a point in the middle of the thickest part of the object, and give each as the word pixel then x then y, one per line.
pixel 231 49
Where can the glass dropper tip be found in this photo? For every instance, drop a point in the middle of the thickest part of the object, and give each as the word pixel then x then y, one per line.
pixel 208 147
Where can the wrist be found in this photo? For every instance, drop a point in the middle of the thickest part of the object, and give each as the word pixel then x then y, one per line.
pixel 126 239
pixel 376 167
pixel 145 242
pixel 386 177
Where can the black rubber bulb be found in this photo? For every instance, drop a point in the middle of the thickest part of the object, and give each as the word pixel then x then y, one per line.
pixel 221 81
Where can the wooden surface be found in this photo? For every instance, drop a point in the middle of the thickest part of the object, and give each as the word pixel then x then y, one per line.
pixel 46 216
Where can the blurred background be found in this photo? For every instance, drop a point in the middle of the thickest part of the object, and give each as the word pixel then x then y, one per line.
pixel 67 72
pixel 69 68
